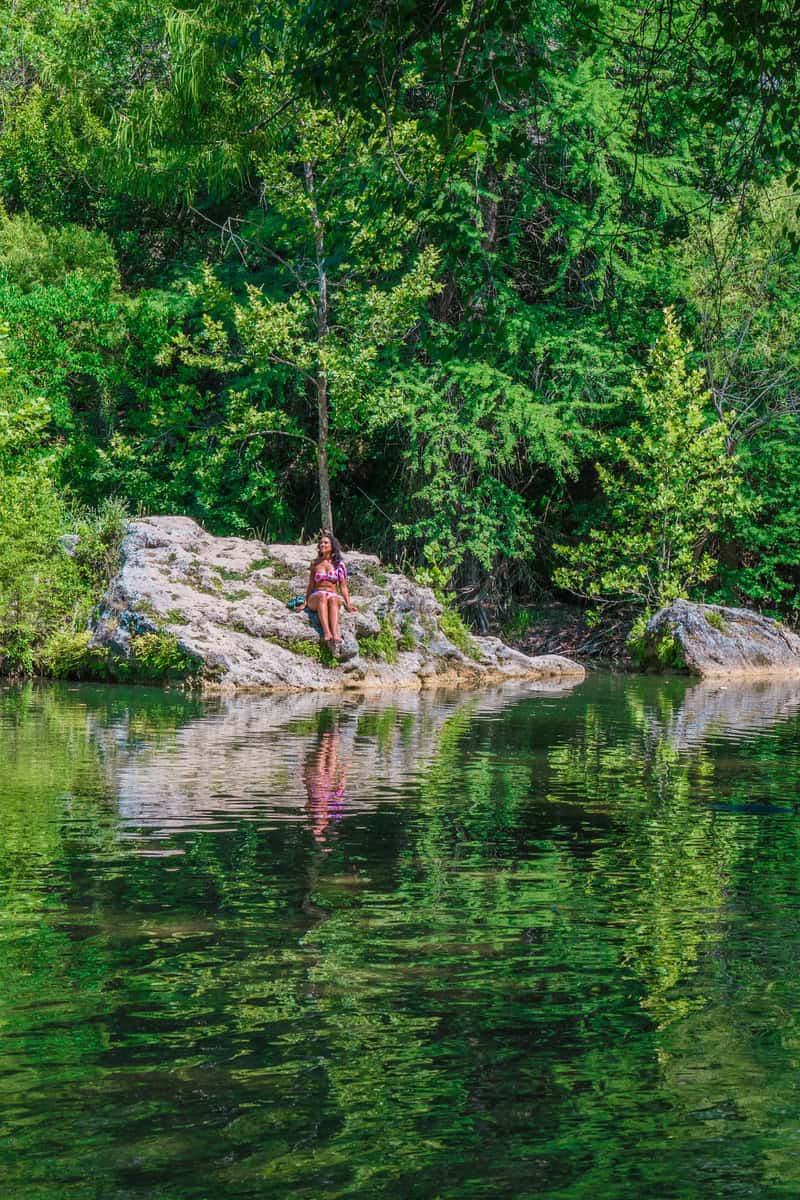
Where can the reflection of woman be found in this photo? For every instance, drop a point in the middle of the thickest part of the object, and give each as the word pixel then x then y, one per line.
pixel 327 587
pixel 325 779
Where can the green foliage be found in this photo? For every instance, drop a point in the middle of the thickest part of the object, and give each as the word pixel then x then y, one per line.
pixel 519 622
pixel 452 626
pixel 461 242
pixel 39 584
pixel 99 535
pixel 468 430
pixel 32 256
pixel 40 587
pixel 434 575
pixel 634 643
pixel 406 640
pixel 766 571
pixel 716 620
pixel 673 487
pixel 381 645
pixel 46 592
pixel 344 294
pixel 66 654
pixel 667 649
pixel 158 657
pixel 744 274
pixel 317 649
pixel 669 652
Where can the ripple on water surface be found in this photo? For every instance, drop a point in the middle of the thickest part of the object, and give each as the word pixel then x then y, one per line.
pixel 518 943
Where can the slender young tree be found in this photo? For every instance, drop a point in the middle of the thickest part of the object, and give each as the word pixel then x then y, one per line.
pixel 673 487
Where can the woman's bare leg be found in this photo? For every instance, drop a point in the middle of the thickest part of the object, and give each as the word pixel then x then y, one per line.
pixel 333 618
pixel 319 605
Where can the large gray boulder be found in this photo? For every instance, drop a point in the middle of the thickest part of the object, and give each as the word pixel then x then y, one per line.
pixel 711 641
pixel 220 603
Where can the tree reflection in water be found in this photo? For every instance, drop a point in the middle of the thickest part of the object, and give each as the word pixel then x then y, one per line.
pixel 505 943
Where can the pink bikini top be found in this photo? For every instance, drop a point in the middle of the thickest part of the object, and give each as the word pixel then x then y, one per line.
pixel 337 575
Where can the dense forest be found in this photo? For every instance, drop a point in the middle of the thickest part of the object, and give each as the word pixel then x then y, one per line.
pixel 507 292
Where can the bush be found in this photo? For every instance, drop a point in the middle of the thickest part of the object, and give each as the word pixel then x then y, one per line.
pixel 670 653
pixel 46 593
pixel 41 589
pixel 382 645
pixel 668 650
pixel 33 256
pixel 407 640
pixel 157 657
pixel 100 532
pixel 452 626
pixel 66 654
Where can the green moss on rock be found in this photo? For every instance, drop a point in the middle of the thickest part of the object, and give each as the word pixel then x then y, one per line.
pixel 378 576
pixel 278 590
pixel 316 650
pixel 716 621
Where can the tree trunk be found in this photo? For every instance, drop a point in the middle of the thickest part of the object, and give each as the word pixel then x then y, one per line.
pixel 320 376
pixel 321 382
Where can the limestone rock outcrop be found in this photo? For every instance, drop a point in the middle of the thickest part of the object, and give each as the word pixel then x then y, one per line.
pixel 222 603
pixel 713 641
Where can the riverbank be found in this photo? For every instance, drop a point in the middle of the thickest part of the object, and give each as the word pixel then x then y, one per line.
pixel 212 613
pixel 553 627
pixel 160 600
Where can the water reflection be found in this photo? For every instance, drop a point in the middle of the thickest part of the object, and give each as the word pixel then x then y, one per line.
pixel 272 760
pixel 731 709
pixel 325 777
pixel 512 943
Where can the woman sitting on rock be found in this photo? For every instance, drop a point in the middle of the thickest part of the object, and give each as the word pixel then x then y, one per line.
pixel 327 587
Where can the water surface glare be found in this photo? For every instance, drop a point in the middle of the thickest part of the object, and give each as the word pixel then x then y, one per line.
pixel 516 943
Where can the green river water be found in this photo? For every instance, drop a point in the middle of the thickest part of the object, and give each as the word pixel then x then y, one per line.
pixel 513 943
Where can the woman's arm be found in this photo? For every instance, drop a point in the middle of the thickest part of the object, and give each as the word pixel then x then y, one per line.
pixel 310 587
pixel 346 596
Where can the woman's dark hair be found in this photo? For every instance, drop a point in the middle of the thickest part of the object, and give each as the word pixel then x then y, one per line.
pixel 336 549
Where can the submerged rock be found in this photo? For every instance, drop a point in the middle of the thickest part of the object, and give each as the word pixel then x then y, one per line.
pixel 710 640
pixel 217 608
